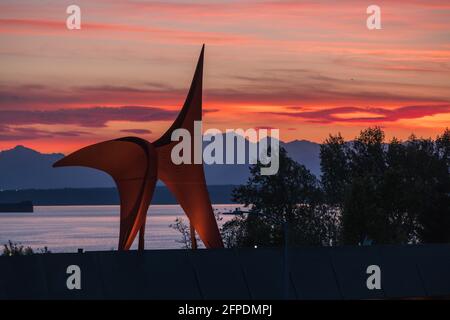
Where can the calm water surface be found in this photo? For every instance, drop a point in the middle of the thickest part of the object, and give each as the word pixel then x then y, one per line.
pixel 66 228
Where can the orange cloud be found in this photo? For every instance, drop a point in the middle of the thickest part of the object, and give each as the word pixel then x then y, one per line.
pixel 89 29
pixel 367 115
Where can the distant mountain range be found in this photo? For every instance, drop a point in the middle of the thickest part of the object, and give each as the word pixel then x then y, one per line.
pixel 24 168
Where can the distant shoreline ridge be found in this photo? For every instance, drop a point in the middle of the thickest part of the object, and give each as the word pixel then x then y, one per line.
pixel 220 194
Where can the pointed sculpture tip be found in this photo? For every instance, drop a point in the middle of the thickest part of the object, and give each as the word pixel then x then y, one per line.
pixel 202 52
pixel 195 87
pixel 200 59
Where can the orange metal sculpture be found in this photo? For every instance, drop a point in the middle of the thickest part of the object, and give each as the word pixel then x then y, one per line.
pixel 136 164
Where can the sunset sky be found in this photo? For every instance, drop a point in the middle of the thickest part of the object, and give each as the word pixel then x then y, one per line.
pixel 309 68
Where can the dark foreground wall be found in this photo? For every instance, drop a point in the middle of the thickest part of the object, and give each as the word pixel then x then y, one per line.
pixel 313 273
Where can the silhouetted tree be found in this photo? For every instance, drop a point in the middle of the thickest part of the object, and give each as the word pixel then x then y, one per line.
pixel 184 228
pixel 390 193
pixel 443 147
pixel 16 249
pixel 334 163
pixel 292 198
pixel 429 189
pixel 363 218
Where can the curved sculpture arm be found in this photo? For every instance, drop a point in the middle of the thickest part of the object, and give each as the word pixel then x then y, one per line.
pixel 132 163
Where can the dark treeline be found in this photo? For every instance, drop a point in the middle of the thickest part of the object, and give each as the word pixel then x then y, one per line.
pixel 370 191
